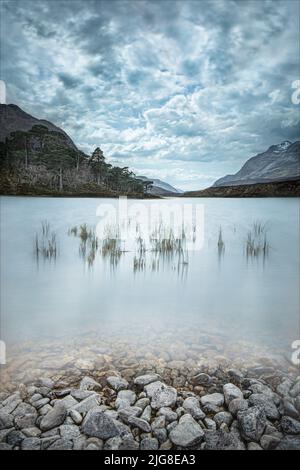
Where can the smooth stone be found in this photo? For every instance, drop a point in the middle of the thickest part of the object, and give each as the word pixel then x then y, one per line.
pixel 231 392
pixel 61 444
pixel 32 432
pixel 254 446
pixel 81 394
pixel 87 404
pixel 15 437
pixel 128 443
pixel 169 415
pixel 284 387
pixel 146 379
pixel 210 423
pixel 289 443
pixel 146 415
pixel 252 423
pixel 213 399
pixel 187 433
pixel 201 379
pixel 69 431
pixel 295 390
pixel 25 421
pixel 31 443
pixel 6 420
pixel 76 416
pixel 142 403
pixel 289 409
pixel 88 383
pixel 220 440
pixel 54 418
pixel 269 442
pixel 126 413
pixel 192 406
pixel 125 398
pixel 164 396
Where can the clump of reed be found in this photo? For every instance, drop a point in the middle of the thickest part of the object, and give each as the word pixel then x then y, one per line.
pixel 221 243
pixel 256 242
pixel 45 243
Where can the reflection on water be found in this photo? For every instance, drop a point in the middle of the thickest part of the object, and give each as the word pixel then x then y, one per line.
pixel 99 281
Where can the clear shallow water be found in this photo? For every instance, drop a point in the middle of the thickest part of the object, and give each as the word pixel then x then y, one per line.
pixel 254 299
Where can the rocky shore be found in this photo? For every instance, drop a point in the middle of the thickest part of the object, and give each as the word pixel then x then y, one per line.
pixel 252 409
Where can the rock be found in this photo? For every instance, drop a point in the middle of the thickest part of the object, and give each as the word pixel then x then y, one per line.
pixel 187 433
pixel 192 406
pixel 15 438
pixel 45 382
pixel 269 442
pixel 87 404
pixel 219 440
pixel 31 443
pixel 54 418
pixel 4 446
pixel 169 415
pixel 76 416
pixel 146 379
pixel 231 392
pixel 151 388
pixel 32 432
pixel 289 409
pixel 139 423
pixel 295 390
pixel 290 425
pixel 45 409
pixel 6 420
pixel 128 443
pixel 236 375
pixel 25 421
pixel 149 443
pixel 88 383
pixel 236 405
pixel 142 403
pixel 69 431
pixel 125 398
pixel 163 396
pixel 117 383
pixel 113 443
pixel 254 446
pixel 212 402
pixel 252 423
pixel 284 387
pixel 289 443
pixel 161 435
pixel 126 413
pixel 98 424
pixel 146 415
pixel 81 394
pixel 297 403
pixel 210 423
pixel 11 403
pixel 68 402
pixel 223 417
pixel 201 379
pixel 266 403
pixel 61 444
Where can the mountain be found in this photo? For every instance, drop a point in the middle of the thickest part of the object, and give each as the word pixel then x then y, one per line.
pixel 160 188
pixel 279 163
pixel 39 158
pixel 13 119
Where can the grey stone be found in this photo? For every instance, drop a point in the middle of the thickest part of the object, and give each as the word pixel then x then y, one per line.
pixel 149 443
pixel 6 420
pixel 254 446
pixel 32 432
pixel 164 396
pixel 146 379
pixel 82 394
pixel 187 433
pixel 220 440
pixel 295 390
pixel 146 415
pixel 236 405
pixel 128 443
pixel 168 414
pixel 212 401
pixel 290 425
pixel 98 424
pixel 142 403
pixel 201 379
pixel 252 423
pixel 54 418
pixel 231 392
pixel 289 443
pixel 223 417
pixel 88 383
pixel 25 421
pixel 113 443
pixel 87 404
pixel 61 444
pixel 125 413
pixel 76 416
pixel 210 423
pixel 284 387
pixel 68 402
pixel 45 409
pixel 151 388
pixel 4 446
pixel 289 409
pixel 15 438
pixel 192 406
pixel 266 403
pixel 139 423
pixel 117 383
pixel 45 382
pixel 269 442
pixel 125 398
pixel 11 403
pixel 69 431
pixel 31 443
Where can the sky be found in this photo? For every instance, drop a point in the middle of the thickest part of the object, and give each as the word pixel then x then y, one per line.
pixel 185 91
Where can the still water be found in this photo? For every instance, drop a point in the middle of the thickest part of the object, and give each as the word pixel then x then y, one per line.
pixel 251 297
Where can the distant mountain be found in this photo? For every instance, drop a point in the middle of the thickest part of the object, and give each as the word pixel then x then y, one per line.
pixel 279 163
pixel 161 188
pixel 13 119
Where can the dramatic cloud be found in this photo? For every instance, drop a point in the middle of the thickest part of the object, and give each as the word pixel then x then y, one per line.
pixel 181 90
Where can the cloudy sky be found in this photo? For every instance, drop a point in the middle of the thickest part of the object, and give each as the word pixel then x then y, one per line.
pixel 185 91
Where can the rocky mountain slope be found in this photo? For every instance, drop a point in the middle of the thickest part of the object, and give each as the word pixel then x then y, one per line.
pixel 160 188
pixel 279 163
